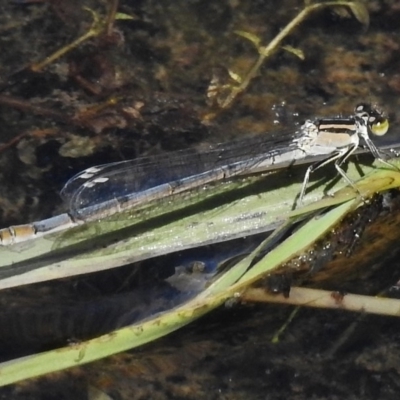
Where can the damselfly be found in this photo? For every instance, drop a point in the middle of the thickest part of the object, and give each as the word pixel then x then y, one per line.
pixel 107 189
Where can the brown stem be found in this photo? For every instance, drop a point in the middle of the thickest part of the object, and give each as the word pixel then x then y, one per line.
pixel 111 17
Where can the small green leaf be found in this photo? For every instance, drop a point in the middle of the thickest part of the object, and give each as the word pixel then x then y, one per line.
pixel 125 16
pixel 251 37
pixel 236 77
pixel 297 52
pixel 360 12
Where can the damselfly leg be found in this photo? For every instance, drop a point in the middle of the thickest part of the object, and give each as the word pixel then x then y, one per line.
pixel 339 159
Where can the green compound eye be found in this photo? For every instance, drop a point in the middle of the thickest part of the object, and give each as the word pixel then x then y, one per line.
pixel 380 126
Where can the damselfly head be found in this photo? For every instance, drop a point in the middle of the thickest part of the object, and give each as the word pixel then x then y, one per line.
pixel 375 119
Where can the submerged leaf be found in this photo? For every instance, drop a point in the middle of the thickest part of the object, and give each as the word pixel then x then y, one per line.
pixel 360 12
pixel 357 9
pixel 236 77
pixel 125 16
pixel 297 52
pixel 251 37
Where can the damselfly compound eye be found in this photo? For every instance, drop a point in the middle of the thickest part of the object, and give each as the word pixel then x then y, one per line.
pixel 377 122
pixel 379 126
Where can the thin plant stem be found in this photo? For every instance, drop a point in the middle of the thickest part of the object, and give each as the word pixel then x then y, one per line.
pixel 267 51
pixel 327 299
pixel 111 16
pixel 95 30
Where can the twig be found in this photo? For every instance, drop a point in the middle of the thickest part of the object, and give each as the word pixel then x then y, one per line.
pixel 25 105
pixel 326 299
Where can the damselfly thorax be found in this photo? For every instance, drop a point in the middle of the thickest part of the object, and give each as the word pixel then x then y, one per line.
pixel 340 137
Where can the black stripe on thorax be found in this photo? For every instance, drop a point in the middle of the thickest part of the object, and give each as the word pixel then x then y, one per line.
pixel 337 125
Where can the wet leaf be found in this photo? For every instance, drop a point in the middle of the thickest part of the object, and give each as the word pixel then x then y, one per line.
pixel 117 240
pixel 233 281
